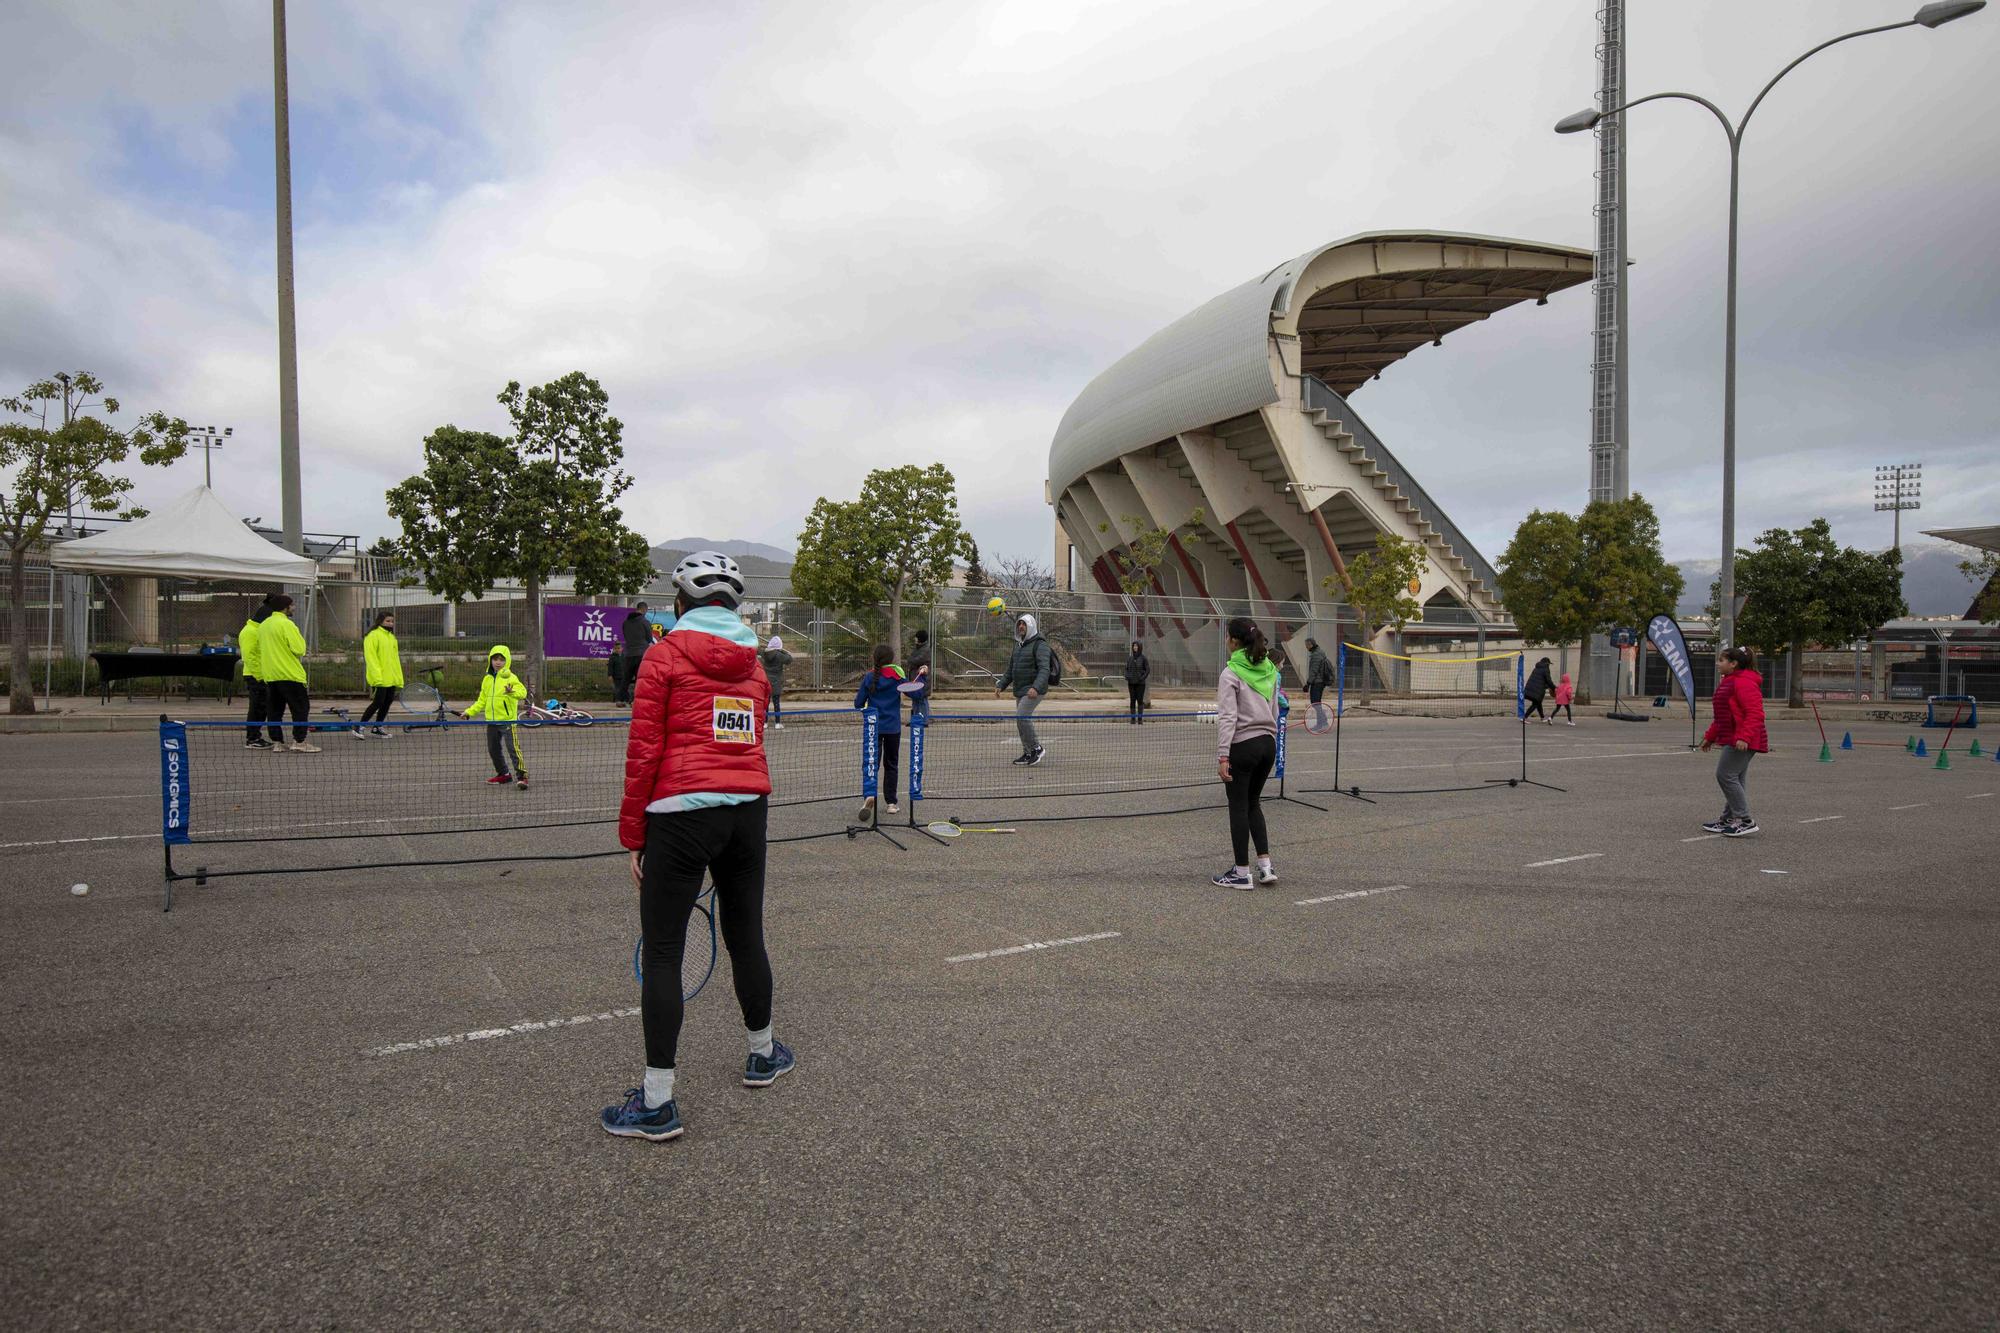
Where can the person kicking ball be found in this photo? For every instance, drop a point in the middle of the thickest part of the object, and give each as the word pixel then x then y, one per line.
pixel 697 801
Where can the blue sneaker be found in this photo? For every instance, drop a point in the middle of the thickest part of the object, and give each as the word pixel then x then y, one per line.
pixel 761 1071
pixel 634 1120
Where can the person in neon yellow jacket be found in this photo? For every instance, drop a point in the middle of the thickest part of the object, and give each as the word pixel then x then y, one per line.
pixel 385 674
pixel 500 696
pixel 253 682
pixel 281 652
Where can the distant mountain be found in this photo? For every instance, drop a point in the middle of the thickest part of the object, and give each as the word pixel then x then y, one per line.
pixel 776 555
pixel 1932 584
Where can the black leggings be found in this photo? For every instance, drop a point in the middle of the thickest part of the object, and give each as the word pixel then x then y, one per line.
pixel 378 707
pixel 1250 764
pixel 1535 707
pixel 1561 708
pixel 280 694
pixel 1136 689
pixel 892 751
pixel 503 742
pixel 726 841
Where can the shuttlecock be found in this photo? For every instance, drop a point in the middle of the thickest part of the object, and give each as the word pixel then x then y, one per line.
pixel 79 890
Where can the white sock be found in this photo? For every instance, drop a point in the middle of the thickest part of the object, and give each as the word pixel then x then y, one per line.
pixel 659 1088
pixel 1243 870
pixel 760 1042
pixel 1263 863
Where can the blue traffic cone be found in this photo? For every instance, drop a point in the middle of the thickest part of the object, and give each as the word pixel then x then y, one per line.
pixel 1920 751
pixel 1847 740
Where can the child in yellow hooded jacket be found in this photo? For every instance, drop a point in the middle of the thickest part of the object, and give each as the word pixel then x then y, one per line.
pixel 500 696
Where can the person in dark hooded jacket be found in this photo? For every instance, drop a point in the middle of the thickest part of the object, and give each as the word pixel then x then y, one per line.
pixel 1539 684
pixel 1138 670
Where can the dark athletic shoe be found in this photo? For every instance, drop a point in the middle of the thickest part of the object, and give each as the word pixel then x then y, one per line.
pixel 1266 876
pixel 867 814
pixel 1232 878
pixel 634 1121
pixel 1716 826
pixel 257 745
pixel 1036 757
pixel 1740 830
pixel 761 1071
pixel 521 783
pixel 1025 759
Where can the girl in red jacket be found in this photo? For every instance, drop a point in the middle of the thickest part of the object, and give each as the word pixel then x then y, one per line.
pixel 1739 729
pixel 696 800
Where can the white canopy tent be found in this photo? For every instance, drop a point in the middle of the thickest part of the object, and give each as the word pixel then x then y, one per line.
pixel 192 537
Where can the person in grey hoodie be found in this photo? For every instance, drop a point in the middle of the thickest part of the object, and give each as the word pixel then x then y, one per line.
pixel 775 660
pixel 1246 749
pixel 1028 674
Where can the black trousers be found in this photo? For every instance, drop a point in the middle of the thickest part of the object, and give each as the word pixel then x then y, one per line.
pixel 1534 707
pixel 1136 699
pixel 777 709
pixel 1562 708
pixel 892 752
pixel 1315 693
pixel 1250 764
pixel 502 743
pixel 283 694
pixel 378 707
pixel 727 843
pixel 628 677
pixel 260 708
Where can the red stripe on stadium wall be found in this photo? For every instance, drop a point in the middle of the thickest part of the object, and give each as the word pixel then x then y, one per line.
pixel 1339 565
pixel 1194 574
pixel 1257 579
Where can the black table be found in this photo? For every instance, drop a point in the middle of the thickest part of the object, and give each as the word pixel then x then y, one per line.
pixel 113 667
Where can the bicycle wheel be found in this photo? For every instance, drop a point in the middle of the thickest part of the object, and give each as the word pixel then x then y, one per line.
pixel 581 718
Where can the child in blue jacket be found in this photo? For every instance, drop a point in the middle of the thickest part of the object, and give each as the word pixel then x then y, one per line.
pixel 879 695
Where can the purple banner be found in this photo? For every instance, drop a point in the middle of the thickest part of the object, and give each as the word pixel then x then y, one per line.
pixel 581 631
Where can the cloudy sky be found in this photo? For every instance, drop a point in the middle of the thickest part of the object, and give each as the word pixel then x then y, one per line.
pixel 800 240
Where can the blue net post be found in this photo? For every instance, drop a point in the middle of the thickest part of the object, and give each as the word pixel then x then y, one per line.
pixel 176 798
pixel 1284 716
pixel 919 723
pixel 871 749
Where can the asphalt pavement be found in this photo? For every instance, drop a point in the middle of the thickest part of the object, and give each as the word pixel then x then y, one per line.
pixel 1513 1057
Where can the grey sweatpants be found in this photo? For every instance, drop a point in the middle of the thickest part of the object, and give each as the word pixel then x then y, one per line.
pixel 1024 718
pixel 1730 770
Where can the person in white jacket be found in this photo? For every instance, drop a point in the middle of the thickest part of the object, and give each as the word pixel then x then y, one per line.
pixel 1246 749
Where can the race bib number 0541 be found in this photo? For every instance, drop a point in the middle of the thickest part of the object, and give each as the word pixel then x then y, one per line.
pixel 735 721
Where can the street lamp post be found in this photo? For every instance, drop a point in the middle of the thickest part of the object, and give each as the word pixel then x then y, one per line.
pixel 1930 16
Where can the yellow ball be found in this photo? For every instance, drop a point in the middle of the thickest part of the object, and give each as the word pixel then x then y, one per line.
pixel 995 606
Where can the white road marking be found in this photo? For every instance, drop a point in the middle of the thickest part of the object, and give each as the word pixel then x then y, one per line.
pixel 67 842
pixel 1701 837
pixel 1774 872
pixel 1357 893
pixel 1821 819
pixel 1031 948
pixel 512 1029
pixel 1911 806
pixel 1976 795
pixel 1562 860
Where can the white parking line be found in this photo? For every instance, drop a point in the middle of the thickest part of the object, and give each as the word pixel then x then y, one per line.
pixel 1031 948
pixel 512 1029
pixel 1976 795
pixel 1357 893
pixel 1562 860
pixel 71 842
pixel 1821 819
pixel 1701 837
pixel 1911 806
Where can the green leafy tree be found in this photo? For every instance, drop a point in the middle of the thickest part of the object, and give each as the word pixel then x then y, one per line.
pixel 898 541
pixel 1138 568
pixel 1565 579
pixel 1984 571
pixel 59 468
pixel 487 507
pixel 1799 586
pixel 1378 587
pixel 975 570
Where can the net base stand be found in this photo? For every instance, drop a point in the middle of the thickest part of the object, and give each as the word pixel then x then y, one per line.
pixel 173 876
pixel 1527 782
pixel 856 830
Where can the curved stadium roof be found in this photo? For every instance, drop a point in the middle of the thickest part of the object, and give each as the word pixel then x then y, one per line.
pixel 1356 307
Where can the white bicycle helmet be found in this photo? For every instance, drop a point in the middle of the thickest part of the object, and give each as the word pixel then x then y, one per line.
pixel 707 575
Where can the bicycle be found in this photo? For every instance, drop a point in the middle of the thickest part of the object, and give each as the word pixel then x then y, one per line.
pixel 555 711
pixel 421 701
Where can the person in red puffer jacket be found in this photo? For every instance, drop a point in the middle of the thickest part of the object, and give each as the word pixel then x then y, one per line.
pixel 696 803
pixel 1739 729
